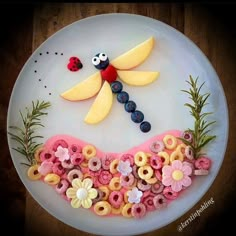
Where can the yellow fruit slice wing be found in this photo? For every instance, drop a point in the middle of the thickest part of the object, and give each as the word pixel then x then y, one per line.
pixel 134 56
pixel 85 89
pixel 101 106
pixel 137 78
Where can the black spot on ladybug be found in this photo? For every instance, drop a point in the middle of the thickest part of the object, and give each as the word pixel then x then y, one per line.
pixel 40 54
pixel 35 61
pixel 47 52
pixel 56 53
pixel 62 54
pixel 50 94
pixel 35 71
pixel 45 86
pixel 40 80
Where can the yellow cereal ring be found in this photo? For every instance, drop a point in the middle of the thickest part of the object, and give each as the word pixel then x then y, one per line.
pixel 115 183
pixel 148 154
pixel 126 197
pixel 170 141
pixel 52 179
pixel 37 153
pixel 176 155
pixel 133 185
pixel 102 208
pixel 113 166
pixel 152 180
pixel 105 190
pixel 84 163
pixel 140 158
pixel 33 173
pixel 89 151
pixel 165 156
pixel 181 148
pixel 145 172
pixel 117 211
pixel 126 210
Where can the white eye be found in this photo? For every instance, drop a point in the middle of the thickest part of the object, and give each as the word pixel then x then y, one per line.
pixel 102 56
pixel 95 61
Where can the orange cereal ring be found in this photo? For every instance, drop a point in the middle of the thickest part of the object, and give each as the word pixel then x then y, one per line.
pixel 102 208
pixel 87 175
pixel 170 141
pixel 52 179
pixel 117 211
pixel 165 157
pixel 176 156
pixel 89 151
pixel 145 172
pixel 33 173
pixel 37 153
pixel 140 158
pixel 126 197
pixel 84 163
pixel 181 148
pixel 115 183
pixel 152 180
pixel 105 190
pixel 113 166
pixel 126 210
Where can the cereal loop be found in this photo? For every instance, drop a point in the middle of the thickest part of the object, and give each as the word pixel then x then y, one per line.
pixel 170 141
pixel 105 190
pixel 126 197
pixel 113 166
pixel 102 208
pixel 117 211
pixel 89 151
pixel 176 156
pixel 145 172
pixel 152 180
pixel 164 157
pixel 84 163
pixel 181 148
pixel 126 211
pixel 37 153
pixel 140 158
pixel 52 179
pixel 33 173
pixel 115 184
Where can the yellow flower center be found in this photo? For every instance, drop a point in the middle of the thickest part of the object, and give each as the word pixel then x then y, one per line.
pixel 177 175
pixel 82 193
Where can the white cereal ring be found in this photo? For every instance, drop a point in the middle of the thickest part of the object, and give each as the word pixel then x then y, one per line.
pixel 115 183
pixel 164 157
pixel 52 179
pixel 113 166
pixel 176 156
pixel 126 210
pixel 170 141
pixel 33 172
pixel 102 208
pixel 145 172
pixel 140 158
pixel 89 151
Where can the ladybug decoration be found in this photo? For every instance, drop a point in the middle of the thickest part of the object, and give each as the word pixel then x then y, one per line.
pixel 74 64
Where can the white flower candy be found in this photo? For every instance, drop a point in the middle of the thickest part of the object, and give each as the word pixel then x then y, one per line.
pixel 62 153
pixel 134 195
pixel 124 167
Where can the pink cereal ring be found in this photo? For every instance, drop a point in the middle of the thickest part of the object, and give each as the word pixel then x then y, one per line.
pixel 189 152
pixel 159 201
pixel 59 142
pixel 94 163
pixel 135 171
pixel 58 169
pixel 129 157
pixel 62 186
pixel 73 174
pixel 148 202
pixel 157 187
pixel 158 175
pixel 106 161
pixel 157 146
pixel 67 164
pixel 127 181
pixel 169 193
pixel 138 210
pixel 94 173
pixel 77 159
pixel 143 185
pixel 47 155
pixel 105 177
pixel 74 148
pixel 201 172
pixel 116 198
pixel 203 163
pixel 156 162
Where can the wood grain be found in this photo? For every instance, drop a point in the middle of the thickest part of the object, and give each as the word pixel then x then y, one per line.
pixel 202 24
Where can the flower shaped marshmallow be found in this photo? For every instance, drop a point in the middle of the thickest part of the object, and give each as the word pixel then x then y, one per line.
pixel 176 175
pixel 124 167
pixel 81 193
pixel 134 195
pixel 45 167
pixel 62 153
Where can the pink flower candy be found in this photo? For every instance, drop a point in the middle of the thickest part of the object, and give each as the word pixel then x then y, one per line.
pixel 45 167
pixel 62 153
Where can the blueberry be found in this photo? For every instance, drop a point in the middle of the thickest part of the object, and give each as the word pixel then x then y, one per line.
pixel 130 106
pixel 116 87
pixel 145 126
pixel 123 97
pixel 137 116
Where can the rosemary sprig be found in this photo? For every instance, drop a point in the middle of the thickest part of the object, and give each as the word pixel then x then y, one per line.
pixel 26 137
pixel 201 126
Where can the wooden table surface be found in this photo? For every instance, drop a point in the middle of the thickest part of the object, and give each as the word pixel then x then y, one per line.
pixel 27 26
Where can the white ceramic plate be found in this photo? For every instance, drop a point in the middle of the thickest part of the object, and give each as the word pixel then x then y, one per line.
pixel 45 76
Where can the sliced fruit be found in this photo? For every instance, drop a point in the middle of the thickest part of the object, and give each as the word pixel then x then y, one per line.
pixel 135 56
pixel 137 78
pixel 101 106
pixel 85 89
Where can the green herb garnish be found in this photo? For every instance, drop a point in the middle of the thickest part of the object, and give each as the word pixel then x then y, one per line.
pixel 201 126
pixel 26 137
